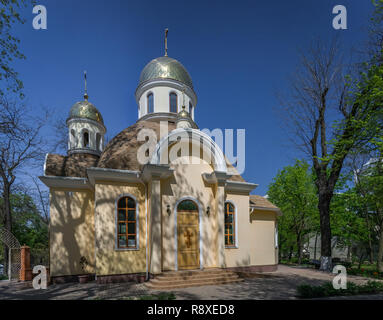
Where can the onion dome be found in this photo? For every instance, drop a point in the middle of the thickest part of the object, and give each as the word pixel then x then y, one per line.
pixel 85 110
pixel 165 68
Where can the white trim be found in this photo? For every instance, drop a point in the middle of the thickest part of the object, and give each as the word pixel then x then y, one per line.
pixel 119 175
pixel 277 210
pixel 99 125
pixel 200 212
pixel 116 248
pixel 238 186
pixel 66 182
pixel 236 225
pixel 163 145
pixel 45 163
pixel 276 235
pixel 175 84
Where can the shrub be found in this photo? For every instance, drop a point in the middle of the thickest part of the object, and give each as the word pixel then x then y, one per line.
pixel 307 291
pixel 3 277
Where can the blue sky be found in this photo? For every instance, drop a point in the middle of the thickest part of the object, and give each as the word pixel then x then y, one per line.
pixel 237 52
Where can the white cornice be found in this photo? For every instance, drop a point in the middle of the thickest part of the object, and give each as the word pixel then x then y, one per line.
pixel 237 186
pixel 66 182
pixel 165 83
pixel 277 210
pixel 116 175
pixel 215 177
pixel 85 120
pixel 156 171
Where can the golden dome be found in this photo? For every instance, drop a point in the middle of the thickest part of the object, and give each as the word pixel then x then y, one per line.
pixel 165 68
pixel 85 110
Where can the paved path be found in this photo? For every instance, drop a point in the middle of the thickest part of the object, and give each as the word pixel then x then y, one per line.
pixel 280 284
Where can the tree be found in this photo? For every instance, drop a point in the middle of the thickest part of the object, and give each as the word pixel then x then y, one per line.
pixel 9 15
pixel 293 191
pixel 328 112
pixel 20 144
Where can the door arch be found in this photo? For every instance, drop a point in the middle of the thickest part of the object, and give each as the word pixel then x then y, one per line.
pixel 188 234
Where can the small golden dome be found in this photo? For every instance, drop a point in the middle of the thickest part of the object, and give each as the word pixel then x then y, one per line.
pixel 183 113
pixel 86 110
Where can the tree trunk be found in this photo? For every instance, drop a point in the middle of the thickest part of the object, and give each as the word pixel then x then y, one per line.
pixel 380 250
pixel 370 249
pixel 299 250
pixel 315 246
pixel 349 253
pixel 361 258
pixel 291 253
pixel 324 211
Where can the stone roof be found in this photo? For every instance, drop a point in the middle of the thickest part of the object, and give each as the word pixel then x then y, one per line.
pixel 74 165
pixel 259 201
pixel 120 153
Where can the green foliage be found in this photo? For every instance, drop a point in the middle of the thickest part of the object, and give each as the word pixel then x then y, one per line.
pixel 293 191
pixel 347 222
pixel 28 226
pixel 307 291
pixel 366 272
pixel 9 44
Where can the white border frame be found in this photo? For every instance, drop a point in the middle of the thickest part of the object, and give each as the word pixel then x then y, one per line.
pixel 116 226
pixel 218 159
pixel 200 212
pixel 236 224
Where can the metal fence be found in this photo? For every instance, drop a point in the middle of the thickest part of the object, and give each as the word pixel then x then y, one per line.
pixel 13 265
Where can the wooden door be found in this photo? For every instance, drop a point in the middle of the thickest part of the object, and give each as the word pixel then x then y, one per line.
pixel 188 239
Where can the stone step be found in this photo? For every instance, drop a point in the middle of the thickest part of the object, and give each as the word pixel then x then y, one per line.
pixel 195 273
pixel 192 278
pixel 177 279
pixel 185 284
pixel 195 276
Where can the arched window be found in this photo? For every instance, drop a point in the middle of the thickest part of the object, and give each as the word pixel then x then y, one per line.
pixel 85 139
pixel 73 139
pixel 190 109
pixel 187 205
pixel 150 103
pixel 229 225
pixel 173 102
pixel 126 223
pixel 98 141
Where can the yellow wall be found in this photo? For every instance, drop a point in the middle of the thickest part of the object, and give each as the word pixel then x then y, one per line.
pixel 109 259
pixel 188 182
pixel 71 231
pixel 256 238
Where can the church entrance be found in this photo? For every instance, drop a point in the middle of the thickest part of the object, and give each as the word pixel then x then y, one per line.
pixel 188 235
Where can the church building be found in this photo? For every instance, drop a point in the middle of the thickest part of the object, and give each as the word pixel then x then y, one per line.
pixel 118 211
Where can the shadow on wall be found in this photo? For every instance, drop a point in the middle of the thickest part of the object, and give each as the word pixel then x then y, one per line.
pixel 109 260
pixel 66 254
pixel 176 187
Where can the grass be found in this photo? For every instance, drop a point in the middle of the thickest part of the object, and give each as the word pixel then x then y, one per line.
pixel 307 291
